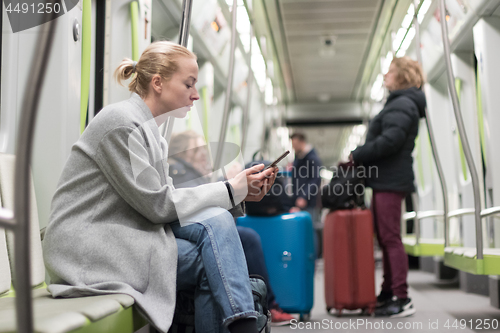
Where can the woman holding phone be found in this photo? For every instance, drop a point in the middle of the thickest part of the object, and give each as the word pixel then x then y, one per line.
pixel 118 225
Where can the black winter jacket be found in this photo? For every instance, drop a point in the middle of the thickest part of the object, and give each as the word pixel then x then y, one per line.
pixel 390 140
pixel 305 178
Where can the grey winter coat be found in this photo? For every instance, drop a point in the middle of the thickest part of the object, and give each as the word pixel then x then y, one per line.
pixel 108 230
pixel 390 140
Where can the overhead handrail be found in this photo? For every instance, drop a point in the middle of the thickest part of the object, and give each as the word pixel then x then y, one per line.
pixel 229 89
pixel 249 97
pixel 187 5
pixel 432 138
pixel 86 55
pixel 461 130
pixel 19 220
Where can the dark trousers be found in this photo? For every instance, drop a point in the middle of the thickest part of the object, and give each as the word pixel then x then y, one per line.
pixel 386 208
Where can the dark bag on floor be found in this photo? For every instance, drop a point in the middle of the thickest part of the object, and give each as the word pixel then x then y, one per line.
pixel 345 189
pixel 259 292
pixel 184 308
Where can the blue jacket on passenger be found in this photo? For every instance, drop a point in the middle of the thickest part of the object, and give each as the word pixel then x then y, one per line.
pixel 390 140
pixel 305 178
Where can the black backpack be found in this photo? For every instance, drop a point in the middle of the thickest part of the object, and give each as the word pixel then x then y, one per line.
pixel 346 189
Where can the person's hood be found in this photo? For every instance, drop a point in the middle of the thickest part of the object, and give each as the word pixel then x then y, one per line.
pixel 415 94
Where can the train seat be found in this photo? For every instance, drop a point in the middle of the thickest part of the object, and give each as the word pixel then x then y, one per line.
pixel 105 313
pixel 465 259
pixel 425 246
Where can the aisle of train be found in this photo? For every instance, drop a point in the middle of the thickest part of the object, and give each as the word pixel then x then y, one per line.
pixel 441 307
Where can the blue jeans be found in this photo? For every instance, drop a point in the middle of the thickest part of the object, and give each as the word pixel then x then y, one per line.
pixel 212 263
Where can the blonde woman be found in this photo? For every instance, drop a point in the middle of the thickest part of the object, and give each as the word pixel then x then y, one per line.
pixel 118 225
pixel 389 143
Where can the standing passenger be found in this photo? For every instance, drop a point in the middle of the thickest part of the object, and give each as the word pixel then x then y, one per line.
pixel 387 155
pixel 305 175
pixel 118 225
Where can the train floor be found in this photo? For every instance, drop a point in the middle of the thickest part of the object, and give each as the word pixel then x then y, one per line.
pixel 440 307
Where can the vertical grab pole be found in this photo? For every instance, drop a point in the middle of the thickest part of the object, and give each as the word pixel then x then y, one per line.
pixel 432 139
pixel 229 89
pixel 461 130
pixel 187 5
pixel 249 96
pixel 22 191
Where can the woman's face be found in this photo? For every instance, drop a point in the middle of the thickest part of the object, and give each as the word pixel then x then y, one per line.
pixel 179 93
pixel 391 79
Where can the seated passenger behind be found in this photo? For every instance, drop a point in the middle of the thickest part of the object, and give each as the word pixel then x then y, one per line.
pixel 190 166
pixel 118 225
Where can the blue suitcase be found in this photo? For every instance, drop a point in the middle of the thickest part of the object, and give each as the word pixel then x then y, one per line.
pixel 287 241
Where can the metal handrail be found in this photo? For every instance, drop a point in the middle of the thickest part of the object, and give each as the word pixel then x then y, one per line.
pixel 19 220
pixel 490 211
pixel 430 131
pixel 187 6
pixel 7 218
pixel 416 225
pixel 461 212
pixel 420 216
pixel 249 98
pixel 429 214
pixel 461 130
pixel 229 89
pixel 409 216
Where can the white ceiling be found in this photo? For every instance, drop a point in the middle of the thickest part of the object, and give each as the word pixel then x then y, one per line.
pixel 306 24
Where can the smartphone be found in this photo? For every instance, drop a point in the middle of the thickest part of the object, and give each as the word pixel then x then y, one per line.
pixel 272 165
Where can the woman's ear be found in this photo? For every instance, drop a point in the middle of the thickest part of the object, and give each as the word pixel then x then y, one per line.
pixel 156 84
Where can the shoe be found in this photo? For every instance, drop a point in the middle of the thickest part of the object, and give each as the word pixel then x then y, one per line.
pixel 383 297
pixel 280 318
pixel 396 308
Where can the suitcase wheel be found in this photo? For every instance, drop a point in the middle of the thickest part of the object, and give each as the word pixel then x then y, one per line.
pixel 305 316
pixel 369 310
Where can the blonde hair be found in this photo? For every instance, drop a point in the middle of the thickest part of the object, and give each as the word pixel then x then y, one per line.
pixel 159 58
pixel 410 73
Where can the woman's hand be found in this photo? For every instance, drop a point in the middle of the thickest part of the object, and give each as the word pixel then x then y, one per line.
pixel 251 184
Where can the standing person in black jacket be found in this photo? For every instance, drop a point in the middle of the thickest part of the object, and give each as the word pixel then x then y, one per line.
pixel 387 154
pixel 305 175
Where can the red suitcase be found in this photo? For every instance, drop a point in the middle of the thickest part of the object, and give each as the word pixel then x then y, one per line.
pixel 349 262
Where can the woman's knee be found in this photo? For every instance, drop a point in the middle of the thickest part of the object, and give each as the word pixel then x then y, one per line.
pixel 222 223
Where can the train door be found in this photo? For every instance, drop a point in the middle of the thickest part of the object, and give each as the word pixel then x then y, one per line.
pixel 465 84
pixel 486 46
pixel 58 120
pixel 440 112
pixel 428 186
pixel 128 33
